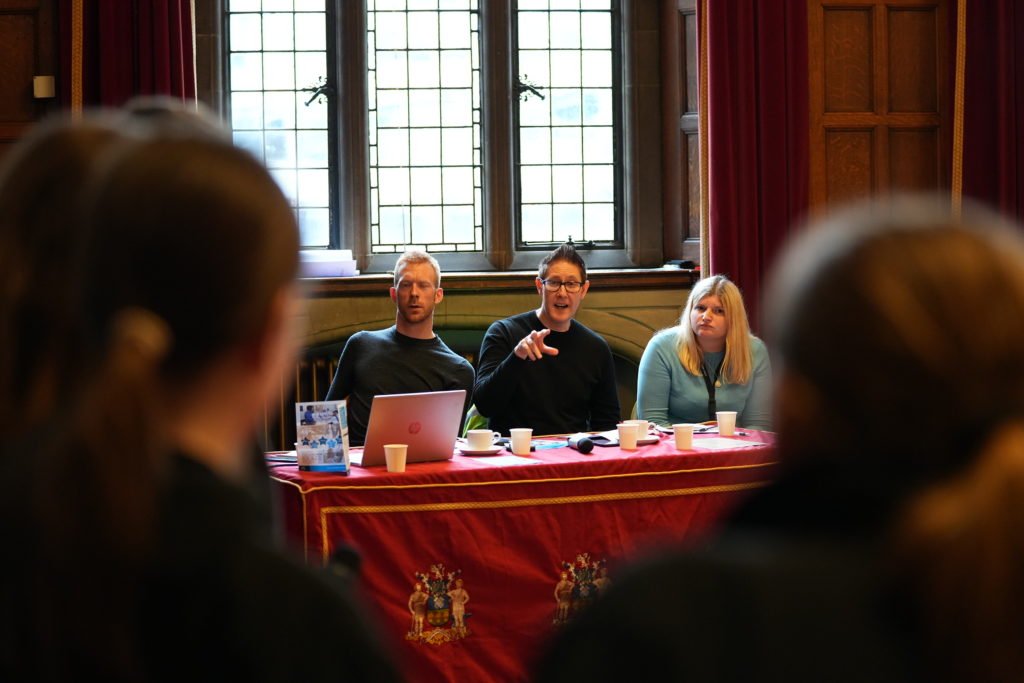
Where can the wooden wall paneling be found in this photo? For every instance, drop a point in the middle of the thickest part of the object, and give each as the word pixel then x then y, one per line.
pixel 850 167
pixel 691 238
pixel 688 16
pixel 643 125
pixel 689 126
pixel 17 54
pixel 847 42
pixel 880 69
pixel 497 128
pixel 673 142
pixel 916 79
pixel 816 105
pixel 916 46
pixel 27 49
pixel 914 158
pixel 681 153
pixel 210 61
pixel 353 150
pixel 913 81
pixel 877 87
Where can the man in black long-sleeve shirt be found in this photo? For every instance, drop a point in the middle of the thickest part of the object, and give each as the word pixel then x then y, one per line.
pixel 543 369
pixel 405 358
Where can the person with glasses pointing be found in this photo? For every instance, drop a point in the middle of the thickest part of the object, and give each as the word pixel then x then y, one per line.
pixel 543 369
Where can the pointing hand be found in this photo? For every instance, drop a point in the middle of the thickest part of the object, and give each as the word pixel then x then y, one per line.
pixel 532 346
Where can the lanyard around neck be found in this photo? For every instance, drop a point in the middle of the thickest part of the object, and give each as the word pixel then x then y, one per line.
pixel 711 383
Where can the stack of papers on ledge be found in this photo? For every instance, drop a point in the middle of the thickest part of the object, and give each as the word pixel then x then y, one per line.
pixel 327 263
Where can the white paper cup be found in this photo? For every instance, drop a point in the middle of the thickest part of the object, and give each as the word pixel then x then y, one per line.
pixel 643 427
pixel 726 422
pixel 394 456
pixel 684 437
pixel 628 432
pixel 481 439
pixel 521 440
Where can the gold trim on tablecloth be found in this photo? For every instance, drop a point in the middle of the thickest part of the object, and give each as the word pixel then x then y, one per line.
pixel 305 517
pixel 624 475
pixel 520 502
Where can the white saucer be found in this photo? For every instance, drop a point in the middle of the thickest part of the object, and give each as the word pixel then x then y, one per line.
pixel 648 440
pixel 494 450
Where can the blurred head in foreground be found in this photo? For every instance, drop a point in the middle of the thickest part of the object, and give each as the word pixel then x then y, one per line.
pixel 40 181
pixel 899 329
pixel 899 332
pixel 891 545
pixel 44 183
pixel 148 300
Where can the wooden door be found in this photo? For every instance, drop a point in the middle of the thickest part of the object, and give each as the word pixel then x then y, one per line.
pixel 878 89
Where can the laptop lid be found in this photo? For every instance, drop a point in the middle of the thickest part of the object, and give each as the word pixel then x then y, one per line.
pixel 427 422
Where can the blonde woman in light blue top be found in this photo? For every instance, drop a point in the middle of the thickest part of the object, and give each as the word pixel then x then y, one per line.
pixel 709 361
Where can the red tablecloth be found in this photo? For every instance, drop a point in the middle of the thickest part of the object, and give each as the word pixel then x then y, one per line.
pixel 488 545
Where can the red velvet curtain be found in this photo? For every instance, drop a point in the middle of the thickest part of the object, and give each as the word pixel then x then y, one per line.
pixel 757 134
pixel 130 47
pixel 993 147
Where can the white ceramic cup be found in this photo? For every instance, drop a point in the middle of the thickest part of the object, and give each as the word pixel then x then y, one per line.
pixel 481 439
pixel 394 456
pixel 643 427
pixel 684 437
pixel 521 440
pixel 726 422
pixel 628 433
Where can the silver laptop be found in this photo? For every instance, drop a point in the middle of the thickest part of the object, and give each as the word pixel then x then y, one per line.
pixel 428 422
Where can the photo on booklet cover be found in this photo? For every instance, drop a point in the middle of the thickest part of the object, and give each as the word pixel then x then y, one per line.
pixel 321 436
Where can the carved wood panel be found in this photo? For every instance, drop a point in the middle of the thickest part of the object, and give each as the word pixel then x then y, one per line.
pixel 847 48
pixel 877 89
pixel 849 164
pixel 914 159
pixel 913 62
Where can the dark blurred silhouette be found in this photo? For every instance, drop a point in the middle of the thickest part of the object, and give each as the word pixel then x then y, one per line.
pixel 892 546
pixel 38 252
pixel 149 308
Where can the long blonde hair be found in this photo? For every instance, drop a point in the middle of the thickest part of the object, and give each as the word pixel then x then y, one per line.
pixel 738 363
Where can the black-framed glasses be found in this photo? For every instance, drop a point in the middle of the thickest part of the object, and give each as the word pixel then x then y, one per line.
pixel 571 286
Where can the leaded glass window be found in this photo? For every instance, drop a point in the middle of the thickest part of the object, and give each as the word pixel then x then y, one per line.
pixel 490 129
pixel 277 57
pixel 426 180
pixel 567 113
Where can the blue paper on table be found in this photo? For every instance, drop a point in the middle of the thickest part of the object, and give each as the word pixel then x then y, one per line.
pixel 541 444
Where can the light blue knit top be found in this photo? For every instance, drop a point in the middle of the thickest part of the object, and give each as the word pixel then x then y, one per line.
pixel 668 394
